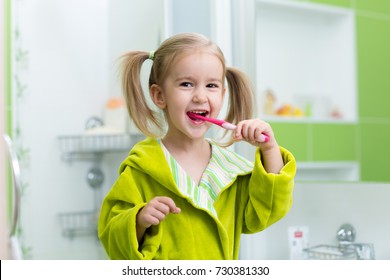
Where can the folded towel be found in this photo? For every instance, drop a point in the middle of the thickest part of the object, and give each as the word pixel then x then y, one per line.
pixel 15 250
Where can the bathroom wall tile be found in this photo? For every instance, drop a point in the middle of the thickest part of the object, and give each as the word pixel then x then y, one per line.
pixel 341 3
pixel 334 142
pixel 294 137
pixel 373 45
pixel 378 6
pixel 375 154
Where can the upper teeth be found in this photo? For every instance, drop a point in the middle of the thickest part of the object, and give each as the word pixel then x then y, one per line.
pixel 198 112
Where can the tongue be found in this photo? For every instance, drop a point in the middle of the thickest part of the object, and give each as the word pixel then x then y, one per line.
pixel 193 116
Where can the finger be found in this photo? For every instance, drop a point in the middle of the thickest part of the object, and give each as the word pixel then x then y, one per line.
pixel 252 133
pixel 170 203
pixel 248 132
pixel 161 207
pixel 154 221
pixel 237 136
pixel 265 133
pixel 245 126
pixel 156 214
pixel 145 218
pixel 259 136
pixel 238 131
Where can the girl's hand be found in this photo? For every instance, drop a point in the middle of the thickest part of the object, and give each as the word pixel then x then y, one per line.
pixel 250 131
pixel 153 213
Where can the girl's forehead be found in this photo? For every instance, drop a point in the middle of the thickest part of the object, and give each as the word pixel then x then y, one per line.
pixel 196 51
pixel 189 57
pixel 198 63
pixel 178 66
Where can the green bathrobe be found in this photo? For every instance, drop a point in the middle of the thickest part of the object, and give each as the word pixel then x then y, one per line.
pixel 251 202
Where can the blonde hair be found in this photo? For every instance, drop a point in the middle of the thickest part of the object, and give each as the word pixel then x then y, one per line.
pixel 240 104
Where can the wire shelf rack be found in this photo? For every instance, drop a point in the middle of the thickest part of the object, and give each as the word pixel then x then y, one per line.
pixel 94 143
pixel 78 223
pixel 329 252
pixel 90 146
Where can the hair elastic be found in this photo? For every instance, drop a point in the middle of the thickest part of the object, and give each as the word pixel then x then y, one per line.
pixel 151 55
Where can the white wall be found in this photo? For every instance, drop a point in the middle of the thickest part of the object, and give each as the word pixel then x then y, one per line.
pixel 324 208
pixel 133 25
pixel 67 82
pixel 71 72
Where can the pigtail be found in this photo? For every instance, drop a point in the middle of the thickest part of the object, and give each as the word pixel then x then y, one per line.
pixel 137 106
pixel 240 96
pixel 240 105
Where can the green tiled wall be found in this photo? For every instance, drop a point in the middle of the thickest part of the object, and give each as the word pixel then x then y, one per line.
pixel 334 142
pixel 294 136
pixel 319 142
pixel 376 6
pixel 340 3
pixel 368 140
pixel 375 138
pixel 373 45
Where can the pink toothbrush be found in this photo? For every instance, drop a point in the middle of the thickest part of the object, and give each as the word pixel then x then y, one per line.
pixel 224 124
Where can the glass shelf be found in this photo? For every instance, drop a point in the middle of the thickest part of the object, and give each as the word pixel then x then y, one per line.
pixel 315 76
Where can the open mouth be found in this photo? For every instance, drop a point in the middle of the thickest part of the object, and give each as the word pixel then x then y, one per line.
pixel 191 114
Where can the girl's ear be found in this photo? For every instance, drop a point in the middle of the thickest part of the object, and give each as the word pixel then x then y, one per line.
pixel 157 96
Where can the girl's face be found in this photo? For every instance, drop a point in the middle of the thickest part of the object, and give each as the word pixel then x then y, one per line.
pixel 195 84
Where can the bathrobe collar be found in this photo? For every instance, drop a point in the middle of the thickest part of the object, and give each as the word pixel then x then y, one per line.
pixel 148 157
pixel 222 170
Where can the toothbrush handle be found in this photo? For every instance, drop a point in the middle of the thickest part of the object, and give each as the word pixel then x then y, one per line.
pixel 228 126
pixel 264 138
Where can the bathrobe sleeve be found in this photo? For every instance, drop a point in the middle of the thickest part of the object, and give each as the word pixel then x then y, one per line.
pixel 117 223
pixel 269 195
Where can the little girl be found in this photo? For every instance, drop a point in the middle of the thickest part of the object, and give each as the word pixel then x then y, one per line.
pixel 181 195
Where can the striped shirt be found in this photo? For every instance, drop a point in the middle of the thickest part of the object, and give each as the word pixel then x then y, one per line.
pixel 222 170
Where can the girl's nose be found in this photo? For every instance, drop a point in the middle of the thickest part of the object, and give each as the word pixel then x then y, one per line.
pixel 200 96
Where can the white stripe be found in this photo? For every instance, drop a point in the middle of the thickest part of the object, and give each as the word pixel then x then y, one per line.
pixel 222 170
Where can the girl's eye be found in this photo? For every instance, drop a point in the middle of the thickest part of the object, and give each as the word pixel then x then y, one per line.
pixel 186 84
pixel 212 86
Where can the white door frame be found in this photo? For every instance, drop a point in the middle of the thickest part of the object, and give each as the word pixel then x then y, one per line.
pixel 4 238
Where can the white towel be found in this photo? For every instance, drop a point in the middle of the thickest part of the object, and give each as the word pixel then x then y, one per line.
pixel 15 250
